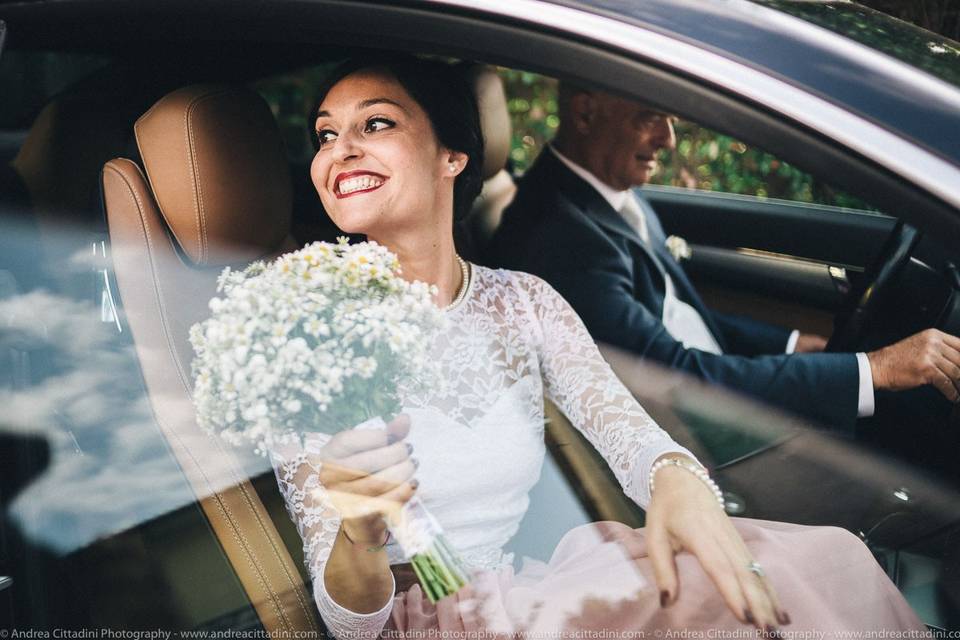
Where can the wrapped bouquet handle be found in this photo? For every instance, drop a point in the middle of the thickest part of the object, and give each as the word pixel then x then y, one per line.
pixel 436 563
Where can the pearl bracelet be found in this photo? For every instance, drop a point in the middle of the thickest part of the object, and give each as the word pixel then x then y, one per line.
pixel 693 468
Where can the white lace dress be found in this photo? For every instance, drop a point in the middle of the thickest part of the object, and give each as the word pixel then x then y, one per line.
pixel 479 438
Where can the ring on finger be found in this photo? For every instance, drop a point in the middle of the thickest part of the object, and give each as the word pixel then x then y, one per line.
pixel 754 567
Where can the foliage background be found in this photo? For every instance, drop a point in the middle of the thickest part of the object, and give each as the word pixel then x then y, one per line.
pixel 938 16
pixel 703 159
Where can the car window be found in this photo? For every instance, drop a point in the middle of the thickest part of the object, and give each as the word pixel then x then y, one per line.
pixel 532 103
pixel 100 528
pixel 31 78
pixel 704 159
pixel 291 97
pixel 711 161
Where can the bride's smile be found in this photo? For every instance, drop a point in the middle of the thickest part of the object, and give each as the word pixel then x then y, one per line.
pixel 351 183
pixel 379 169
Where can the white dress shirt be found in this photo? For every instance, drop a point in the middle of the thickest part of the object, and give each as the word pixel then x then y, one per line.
pixel 680 319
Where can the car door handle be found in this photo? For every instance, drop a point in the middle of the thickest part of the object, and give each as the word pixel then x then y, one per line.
pixel 5 582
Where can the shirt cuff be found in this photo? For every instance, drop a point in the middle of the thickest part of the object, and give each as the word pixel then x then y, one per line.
pixel 792 341
pixel 865 400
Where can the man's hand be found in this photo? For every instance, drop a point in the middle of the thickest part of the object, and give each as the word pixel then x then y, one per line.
pixel 928 357
pixel 810 343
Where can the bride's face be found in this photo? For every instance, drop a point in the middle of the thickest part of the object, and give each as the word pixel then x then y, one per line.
pixel 379 168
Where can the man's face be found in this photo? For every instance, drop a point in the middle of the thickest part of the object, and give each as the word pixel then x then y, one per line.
pixel 623 140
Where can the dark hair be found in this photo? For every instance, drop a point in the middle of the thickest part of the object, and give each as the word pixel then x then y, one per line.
pixel 445 94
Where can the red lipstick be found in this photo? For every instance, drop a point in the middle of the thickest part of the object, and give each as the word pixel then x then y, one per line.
pixel 347 175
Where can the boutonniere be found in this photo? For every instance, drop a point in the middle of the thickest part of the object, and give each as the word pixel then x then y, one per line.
pixel 678 248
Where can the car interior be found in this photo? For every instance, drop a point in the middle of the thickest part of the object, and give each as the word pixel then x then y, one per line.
pixel 164 251
pixel 170 166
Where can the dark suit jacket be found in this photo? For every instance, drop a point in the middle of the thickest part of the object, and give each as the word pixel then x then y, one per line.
pixel 561 229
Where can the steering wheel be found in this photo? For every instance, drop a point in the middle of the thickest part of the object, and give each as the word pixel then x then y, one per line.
pixel 877 280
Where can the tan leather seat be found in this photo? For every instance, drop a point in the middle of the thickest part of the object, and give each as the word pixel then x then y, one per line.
pixel 60 161
pixel 216 193
pixel 498 186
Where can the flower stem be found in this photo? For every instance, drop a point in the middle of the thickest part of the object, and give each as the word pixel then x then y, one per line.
pixel 438 571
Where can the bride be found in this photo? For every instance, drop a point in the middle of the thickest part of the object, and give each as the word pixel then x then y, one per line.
pixel 400 156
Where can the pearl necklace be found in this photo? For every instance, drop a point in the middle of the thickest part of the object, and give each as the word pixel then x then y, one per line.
pixel 464 283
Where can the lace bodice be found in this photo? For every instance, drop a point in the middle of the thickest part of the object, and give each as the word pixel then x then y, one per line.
pixel 479 436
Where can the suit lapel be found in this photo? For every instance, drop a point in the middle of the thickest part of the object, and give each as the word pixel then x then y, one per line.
pixel 550 176
pixel 594 205
pixel 684 288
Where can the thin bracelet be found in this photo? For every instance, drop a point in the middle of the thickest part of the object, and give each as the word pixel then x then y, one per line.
pixel 386 539
pixel 693 468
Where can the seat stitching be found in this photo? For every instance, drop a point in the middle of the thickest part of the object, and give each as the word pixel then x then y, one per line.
pixel 298 592
pixel 194 174
pixel 156 283
pixel 230 519
pixel 225 511
pixel 204 251
pixel 273 547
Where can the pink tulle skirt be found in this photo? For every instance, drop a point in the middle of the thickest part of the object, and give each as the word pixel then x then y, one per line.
pixel 599 584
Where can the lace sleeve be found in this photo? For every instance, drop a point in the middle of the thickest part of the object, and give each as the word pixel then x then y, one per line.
pixel 581 383
pixel 317 521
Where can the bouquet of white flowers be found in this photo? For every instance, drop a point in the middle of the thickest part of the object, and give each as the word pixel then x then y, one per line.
pixel 320 340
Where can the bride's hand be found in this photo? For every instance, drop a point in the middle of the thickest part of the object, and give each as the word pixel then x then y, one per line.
pixel 368 475
pixel 684 516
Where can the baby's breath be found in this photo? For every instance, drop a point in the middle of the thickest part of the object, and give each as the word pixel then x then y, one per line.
pixel 319 339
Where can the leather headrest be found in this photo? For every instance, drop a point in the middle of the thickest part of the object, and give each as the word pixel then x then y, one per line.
pixel 215 161
pixel 494 119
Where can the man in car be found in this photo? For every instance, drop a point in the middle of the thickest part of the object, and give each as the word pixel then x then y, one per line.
pixel 576 223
